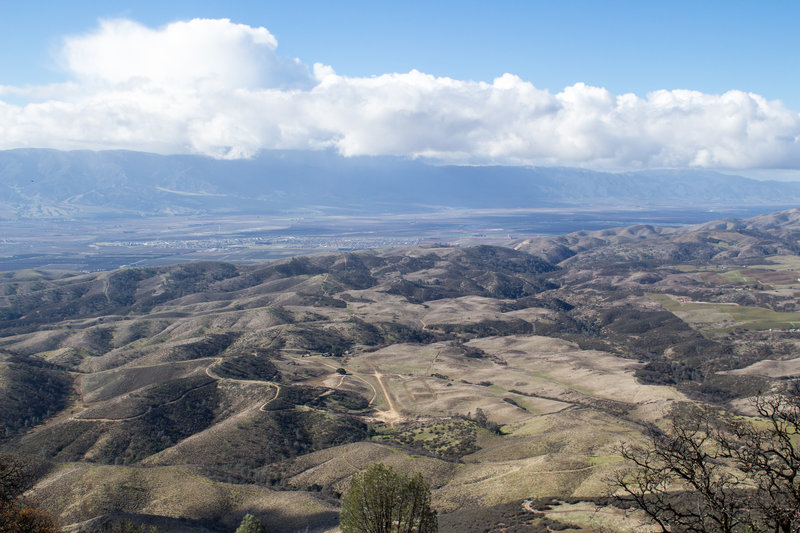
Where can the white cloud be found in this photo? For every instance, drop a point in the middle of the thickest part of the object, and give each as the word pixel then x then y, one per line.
pixel 199 53
pixel 219 88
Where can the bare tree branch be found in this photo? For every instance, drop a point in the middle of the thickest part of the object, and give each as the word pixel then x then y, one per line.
pixel 711 472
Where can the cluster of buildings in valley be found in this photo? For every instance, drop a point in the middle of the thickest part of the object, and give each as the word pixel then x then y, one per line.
pixel 284 241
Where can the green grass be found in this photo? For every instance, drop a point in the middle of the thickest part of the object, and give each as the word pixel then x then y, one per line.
pixel 665 301
pixel 752 318
pixel 604 459
pixel 736 276
pixel 497 389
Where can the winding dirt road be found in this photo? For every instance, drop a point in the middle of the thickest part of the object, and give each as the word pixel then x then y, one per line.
pixel 140 415
pixel 211 374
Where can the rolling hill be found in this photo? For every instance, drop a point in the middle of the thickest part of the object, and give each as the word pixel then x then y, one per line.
pixel 189 395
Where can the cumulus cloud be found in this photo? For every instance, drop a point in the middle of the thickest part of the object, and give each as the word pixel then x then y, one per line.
pixel 202 53
pixel 222 89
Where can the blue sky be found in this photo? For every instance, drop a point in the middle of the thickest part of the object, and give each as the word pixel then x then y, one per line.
pixel 710 48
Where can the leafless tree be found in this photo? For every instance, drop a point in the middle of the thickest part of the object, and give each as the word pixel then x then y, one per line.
pixel 714 472
pixel 768 452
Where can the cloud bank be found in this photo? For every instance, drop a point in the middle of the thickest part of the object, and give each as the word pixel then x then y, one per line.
pixel 218 88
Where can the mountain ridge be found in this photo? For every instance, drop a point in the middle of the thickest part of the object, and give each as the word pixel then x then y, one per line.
pixel 55 184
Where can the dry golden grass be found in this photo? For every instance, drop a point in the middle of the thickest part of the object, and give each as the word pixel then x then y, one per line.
pixel 336 465
pixel 460 310
pixel 770 368
pixel 559 441
pixel 558 369
pixel 109 384
pixel 588 515
pixel 36 342
pixel 504 481
pixel 562 409
pixel 76 492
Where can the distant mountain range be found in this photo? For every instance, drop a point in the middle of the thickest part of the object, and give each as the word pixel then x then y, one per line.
pixel 50 183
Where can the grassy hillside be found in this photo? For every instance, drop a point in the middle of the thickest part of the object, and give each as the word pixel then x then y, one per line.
pixel 190 395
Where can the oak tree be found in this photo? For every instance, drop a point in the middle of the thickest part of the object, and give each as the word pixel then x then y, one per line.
pixel 381 500
pixel 714 472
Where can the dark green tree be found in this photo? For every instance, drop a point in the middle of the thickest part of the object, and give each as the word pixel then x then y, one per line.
pixel 250 524
pixel 381 500
pixel 481 418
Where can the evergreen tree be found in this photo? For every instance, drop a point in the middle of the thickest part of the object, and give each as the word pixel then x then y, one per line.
pixel 381 500
pixel 250 524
